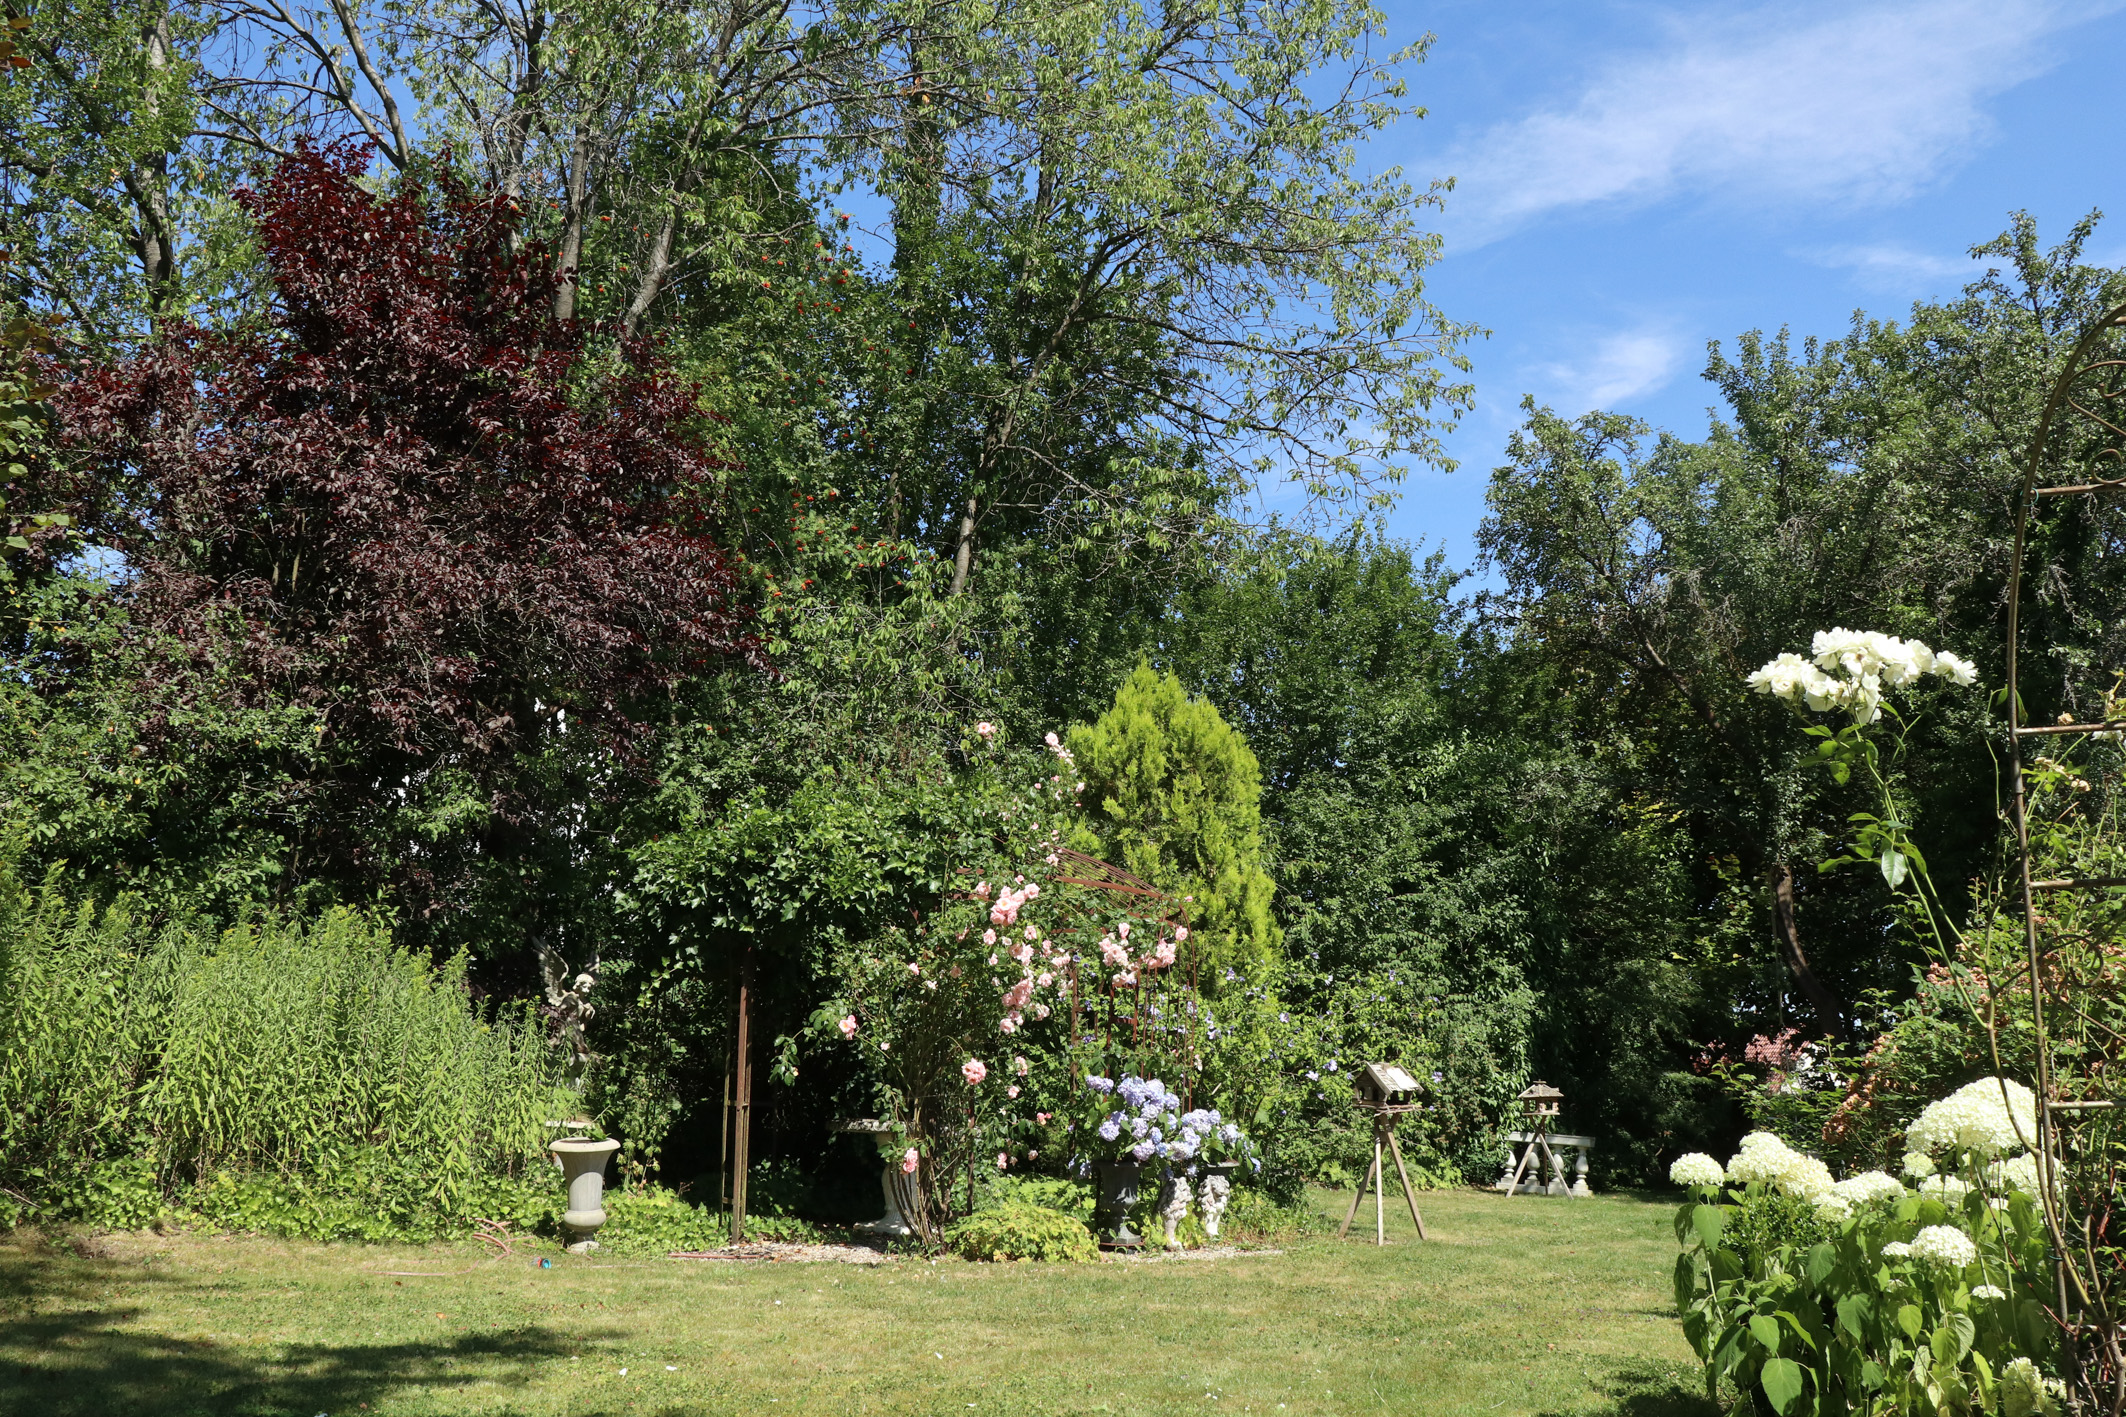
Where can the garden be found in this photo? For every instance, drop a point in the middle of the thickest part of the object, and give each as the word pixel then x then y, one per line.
pixel 661 749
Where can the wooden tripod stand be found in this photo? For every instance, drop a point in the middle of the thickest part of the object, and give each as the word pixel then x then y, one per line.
pixel 1384 1117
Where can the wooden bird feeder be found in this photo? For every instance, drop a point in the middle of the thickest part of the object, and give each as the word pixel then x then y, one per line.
pixel 1540 1104
pixel 1387 1092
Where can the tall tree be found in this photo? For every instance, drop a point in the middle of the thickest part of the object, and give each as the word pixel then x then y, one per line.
pixel 419 507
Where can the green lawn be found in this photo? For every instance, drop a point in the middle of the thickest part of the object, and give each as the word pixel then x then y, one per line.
pixel 1520 1306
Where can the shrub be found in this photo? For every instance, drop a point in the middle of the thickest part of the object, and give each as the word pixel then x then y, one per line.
pixel 1017 1230
pixel 304 1073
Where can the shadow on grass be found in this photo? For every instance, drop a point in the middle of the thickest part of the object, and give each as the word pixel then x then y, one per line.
pixel 66 1351
pixel 1652 1391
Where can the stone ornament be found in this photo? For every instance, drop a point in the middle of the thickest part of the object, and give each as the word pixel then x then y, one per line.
pixel 1173 1208
pixel 1213 1195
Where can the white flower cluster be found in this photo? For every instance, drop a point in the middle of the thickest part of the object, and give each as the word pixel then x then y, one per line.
pixel 1869 1187
pixel 1976 1118
pixel 1766 1158
pixel 1988 1291
pixel 1943 1246
pixel 1896 1250
pixel 1862 664
pixel 1946 1189
pixel 2025 1392
pixel 2019 1173
pixel 1833 1207
pixel 1918 1163
pixel 1696 1169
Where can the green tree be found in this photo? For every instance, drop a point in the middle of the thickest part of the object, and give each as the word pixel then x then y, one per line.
pixel 1173 795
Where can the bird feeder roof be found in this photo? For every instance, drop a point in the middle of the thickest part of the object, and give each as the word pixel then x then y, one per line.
pixel 1540 1091
pixel 1389 1078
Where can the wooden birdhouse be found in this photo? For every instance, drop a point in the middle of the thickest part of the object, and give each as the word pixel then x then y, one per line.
pixel 1540 1103
pixel 1384 1085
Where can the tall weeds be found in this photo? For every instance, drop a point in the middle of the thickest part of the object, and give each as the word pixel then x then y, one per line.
pixel 310 1050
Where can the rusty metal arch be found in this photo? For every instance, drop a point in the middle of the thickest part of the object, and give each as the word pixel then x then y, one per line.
pixel 2087 401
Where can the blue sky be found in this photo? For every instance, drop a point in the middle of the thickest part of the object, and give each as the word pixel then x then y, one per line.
pixel 1635 180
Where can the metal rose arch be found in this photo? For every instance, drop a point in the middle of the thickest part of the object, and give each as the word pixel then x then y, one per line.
pixel 2073 896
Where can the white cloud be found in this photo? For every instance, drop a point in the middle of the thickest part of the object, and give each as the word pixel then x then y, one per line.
pixel 1621 366
pixel 1890 266
pixel 1839 103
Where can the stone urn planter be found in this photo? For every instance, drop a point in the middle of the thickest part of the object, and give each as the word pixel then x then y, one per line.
pixel 1214 1192
pixel 583 1172
pixel 1117 1183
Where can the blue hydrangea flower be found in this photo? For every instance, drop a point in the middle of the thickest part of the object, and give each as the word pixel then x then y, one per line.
pixel 1103 1086
pixel 1158 1135
pixel 1142 1151
pixel 1138 1126
pixel 1111 1128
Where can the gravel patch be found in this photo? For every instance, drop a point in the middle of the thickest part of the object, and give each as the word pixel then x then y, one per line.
pixel 777 1252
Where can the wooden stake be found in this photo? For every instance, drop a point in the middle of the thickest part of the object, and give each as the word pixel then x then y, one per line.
pixel 742 1139
pixel 1409 1194
pixel 1380 1193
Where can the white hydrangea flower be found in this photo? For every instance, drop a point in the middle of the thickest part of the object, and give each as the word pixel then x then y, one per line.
pixel 1988 1291
pixel 1696 1169
pixel 1949 1190
pixel 1975 1118
pixel 1833 1207
pixel 1806 1177
pixel 1918 1163
pixel 1944 1246
pixel 1955 668
pixel 2025 1392
pixel 1896 1250
pixel 1869 1187
pixel 1763 1157
pixel 2019 1173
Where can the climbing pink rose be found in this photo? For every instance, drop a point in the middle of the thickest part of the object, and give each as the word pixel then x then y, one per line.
pixel 985 731
pixel 974 1070
pixel 989 937
pixel 848 1026
pixel 1181 932
pixel 1020 1066
pixel 1012 1091
pixel 1002 1161
pixel 909 1161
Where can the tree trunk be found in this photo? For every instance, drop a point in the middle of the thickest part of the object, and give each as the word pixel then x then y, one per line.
pixel 963 555
pixel 1788 938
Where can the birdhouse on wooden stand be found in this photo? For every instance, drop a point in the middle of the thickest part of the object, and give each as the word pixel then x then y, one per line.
pixel 1387 1092
pixel 1384 1085
pixel 1533 1151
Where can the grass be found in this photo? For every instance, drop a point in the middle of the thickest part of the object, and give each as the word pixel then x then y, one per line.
pixel 1520 1306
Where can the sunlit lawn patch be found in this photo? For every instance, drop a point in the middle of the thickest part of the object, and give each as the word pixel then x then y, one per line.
pixel 1527 1305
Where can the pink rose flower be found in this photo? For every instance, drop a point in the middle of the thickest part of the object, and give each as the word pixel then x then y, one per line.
pixel 1123 929
pixel 1040 1011
pixel 1002 1161
pixel 1045 979
pixel 1181 932
pixel 1020 1066
pixel 1012 1091
pixel 974 1070
pixel 848 1026
pixel 909 1161
pixel 1041 1117
pixel 1033 892
pixel 989 937
pixel 985 731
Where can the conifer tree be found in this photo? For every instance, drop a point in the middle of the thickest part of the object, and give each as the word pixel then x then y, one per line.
pixel 1172 794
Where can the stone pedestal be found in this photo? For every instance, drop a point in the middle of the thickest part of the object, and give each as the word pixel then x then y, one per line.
pixel 1548 1176
pixel 583 1172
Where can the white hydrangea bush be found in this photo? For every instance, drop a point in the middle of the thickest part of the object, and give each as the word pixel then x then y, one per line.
pixel 1916 1295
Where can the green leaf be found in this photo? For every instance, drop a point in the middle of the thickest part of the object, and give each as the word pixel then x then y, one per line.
pixel 1854 1310
pixel 1893 866
pixel 1910 1320
pixel 1708 1220
pixel 1822 1260
pixel 1765 1329
pixel 1783 1384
